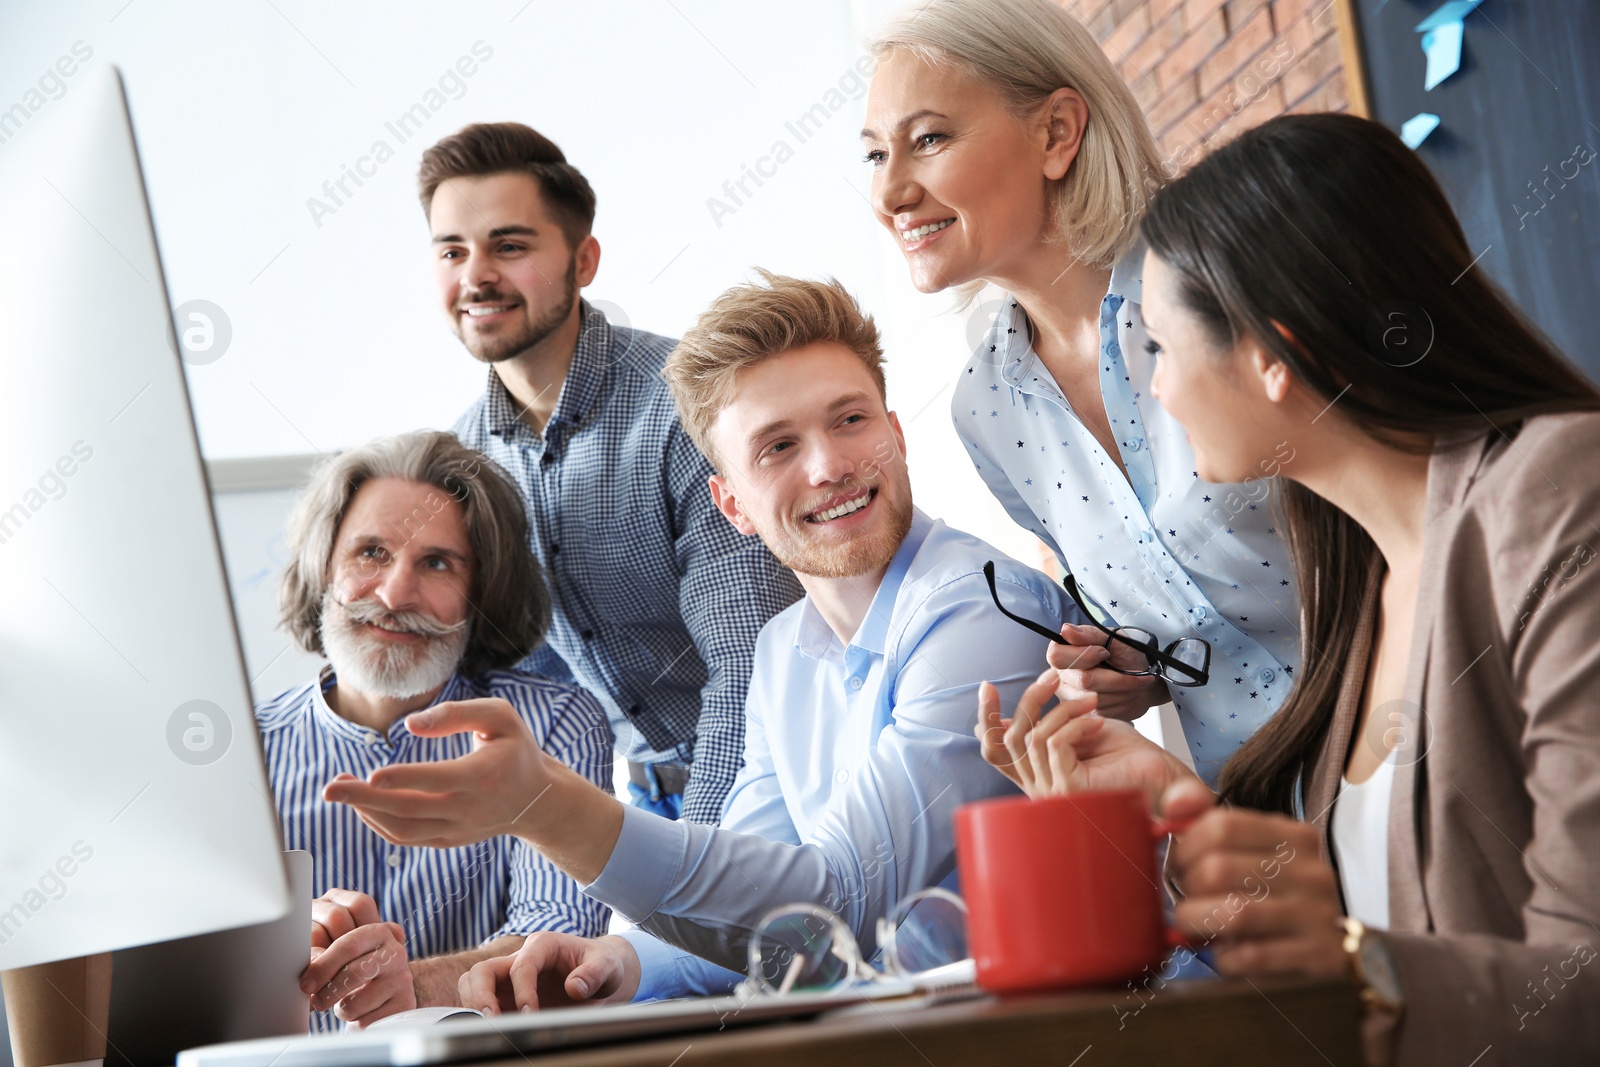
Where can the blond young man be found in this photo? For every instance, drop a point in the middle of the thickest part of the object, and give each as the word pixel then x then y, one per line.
pixel 860 719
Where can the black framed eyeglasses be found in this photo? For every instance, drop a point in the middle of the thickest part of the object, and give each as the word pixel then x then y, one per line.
pixel 1185 662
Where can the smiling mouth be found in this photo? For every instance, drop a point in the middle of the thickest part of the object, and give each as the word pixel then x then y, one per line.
pixel 840 510
pixel 481 311
pixel 917 233
pixel 406 634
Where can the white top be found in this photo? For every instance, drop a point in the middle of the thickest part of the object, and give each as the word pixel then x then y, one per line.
pixel 1361 843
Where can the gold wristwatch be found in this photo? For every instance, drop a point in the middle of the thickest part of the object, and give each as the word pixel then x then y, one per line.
pixel 1372 969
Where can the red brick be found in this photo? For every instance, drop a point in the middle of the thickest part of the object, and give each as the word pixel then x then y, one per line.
pixel 1160 9
pixel 1192 50
pixel 1173 106
pixel 1239 11
pixel 1127 34
pixel 1126 8
pixel 1309 70
pixel 1157 43
pixel 1329 96
pixel 1320 16
pixel 1269 105
pixel 1241 45
pixel 1196 11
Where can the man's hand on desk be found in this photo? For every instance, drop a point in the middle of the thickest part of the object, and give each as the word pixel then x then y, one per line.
pixel 359 966
pixel 506 785
pixel 553 971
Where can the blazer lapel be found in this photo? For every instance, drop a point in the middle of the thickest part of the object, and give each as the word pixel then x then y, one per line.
pixel 1449 473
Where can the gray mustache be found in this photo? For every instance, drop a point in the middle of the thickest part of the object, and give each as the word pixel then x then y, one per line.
pixel 415 622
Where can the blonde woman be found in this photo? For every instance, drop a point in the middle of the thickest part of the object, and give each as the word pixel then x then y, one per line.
pixel 1006 150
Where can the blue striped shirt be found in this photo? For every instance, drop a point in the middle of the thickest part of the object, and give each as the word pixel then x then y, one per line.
pixel 656 598
pixel 448 900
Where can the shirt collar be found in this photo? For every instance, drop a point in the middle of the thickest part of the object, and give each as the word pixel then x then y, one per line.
pixel 816 639
pixel 1127 274
pixel 590 358
pixel 455 688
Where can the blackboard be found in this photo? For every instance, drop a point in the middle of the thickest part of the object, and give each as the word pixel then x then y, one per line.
pixel 1513 119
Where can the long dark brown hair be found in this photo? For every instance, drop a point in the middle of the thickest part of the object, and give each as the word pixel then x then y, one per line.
pixel 1330 228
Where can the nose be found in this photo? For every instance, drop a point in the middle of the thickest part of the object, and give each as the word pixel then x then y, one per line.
pixel 828 464
pixel 396 586
pixel 479 272
pixel 894 189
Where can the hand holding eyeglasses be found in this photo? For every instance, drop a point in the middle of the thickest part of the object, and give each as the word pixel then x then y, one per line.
pixel 1090 663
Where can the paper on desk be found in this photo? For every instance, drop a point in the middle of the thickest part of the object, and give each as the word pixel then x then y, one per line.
pixel 1415 130
pixel 1442 46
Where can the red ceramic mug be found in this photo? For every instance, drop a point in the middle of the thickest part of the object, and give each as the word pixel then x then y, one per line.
pixel 1062 891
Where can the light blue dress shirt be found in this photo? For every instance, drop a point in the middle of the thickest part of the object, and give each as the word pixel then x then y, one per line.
pixel 1160 549
pixel 856 756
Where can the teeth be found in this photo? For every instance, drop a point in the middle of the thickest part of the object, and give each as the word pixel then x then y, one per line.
pixel 922 231
pixel 848 507
pixel 479 311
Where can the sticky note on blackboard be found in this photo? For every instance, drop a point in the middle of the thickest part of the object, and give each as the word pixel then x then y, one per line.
pixel 1415 130
pixel 1452 11
pixel 1442 46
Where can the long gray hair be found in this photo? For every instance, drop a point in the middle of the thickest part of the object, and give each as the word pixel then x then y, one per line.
pixel 509 599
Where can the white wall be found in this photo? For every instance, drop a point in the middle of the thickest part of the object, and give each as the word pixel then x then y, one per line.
pixel 244 109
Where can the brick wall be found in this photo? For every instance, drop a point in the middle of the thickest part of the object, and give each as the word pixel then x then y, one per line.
pixel 1204 70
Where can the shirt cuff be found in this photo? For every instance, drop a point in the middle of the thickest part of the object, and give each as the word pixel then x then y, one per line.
pixel 658 968
pixel 643 866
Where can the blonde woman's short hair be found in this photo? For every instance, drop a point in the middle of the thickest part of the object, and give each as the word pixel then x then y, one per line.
pixel 751 323
pixel 1026 50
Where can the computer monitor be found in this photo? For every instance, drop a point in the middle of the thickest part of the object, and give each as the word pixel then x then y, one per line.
pixel 133 798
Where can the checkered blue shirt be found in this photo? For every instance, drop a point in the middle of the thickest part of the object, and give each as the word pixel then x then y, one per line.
pixel 657 599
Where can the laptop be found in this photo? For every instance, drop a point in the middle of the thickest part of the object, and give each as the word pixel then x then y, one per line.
pixel 559 1028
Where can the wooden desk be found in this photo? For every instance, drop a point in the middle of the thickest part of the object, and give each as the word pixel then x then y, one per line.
pixel 1228 1023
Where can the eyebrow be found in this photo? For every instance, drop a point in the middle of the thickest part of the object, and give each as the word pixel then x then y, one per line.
pixel 783 424
pixel 497 232
pixel 908 120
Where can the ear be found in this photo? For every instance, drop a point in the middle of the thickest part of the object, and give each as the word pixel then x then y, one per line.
pixel 1271 372
pixel 588 260
pixel 899 434
pixel 1064 117
pixel 723 497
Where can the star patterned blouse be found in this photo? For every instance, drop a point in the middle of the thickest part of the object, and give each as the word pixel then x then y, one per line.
pixel 1159 549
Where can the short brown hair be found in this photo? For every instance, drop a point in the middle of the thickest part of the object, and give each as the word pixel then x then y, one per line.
pixel 511 148
pixel 510 602
pixel 750 323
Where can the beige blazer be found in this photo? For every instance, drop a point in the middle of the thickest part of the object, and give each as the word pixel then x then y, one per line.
pixel 1494 824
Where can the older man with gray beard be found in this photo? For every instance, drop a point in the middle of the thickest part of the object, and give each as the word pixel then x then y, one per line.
pixel 410 571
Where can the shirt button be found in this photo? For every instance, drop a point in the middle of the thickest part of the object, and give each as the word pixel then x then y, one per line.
pixel 555 550
pixel 841 776
pixel 1135 445
pixel 1267 675
pixel 855 683
pixel 374 738
pixel 1200 614
pixel 547 459
pixel 587 635
pixel 394 859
